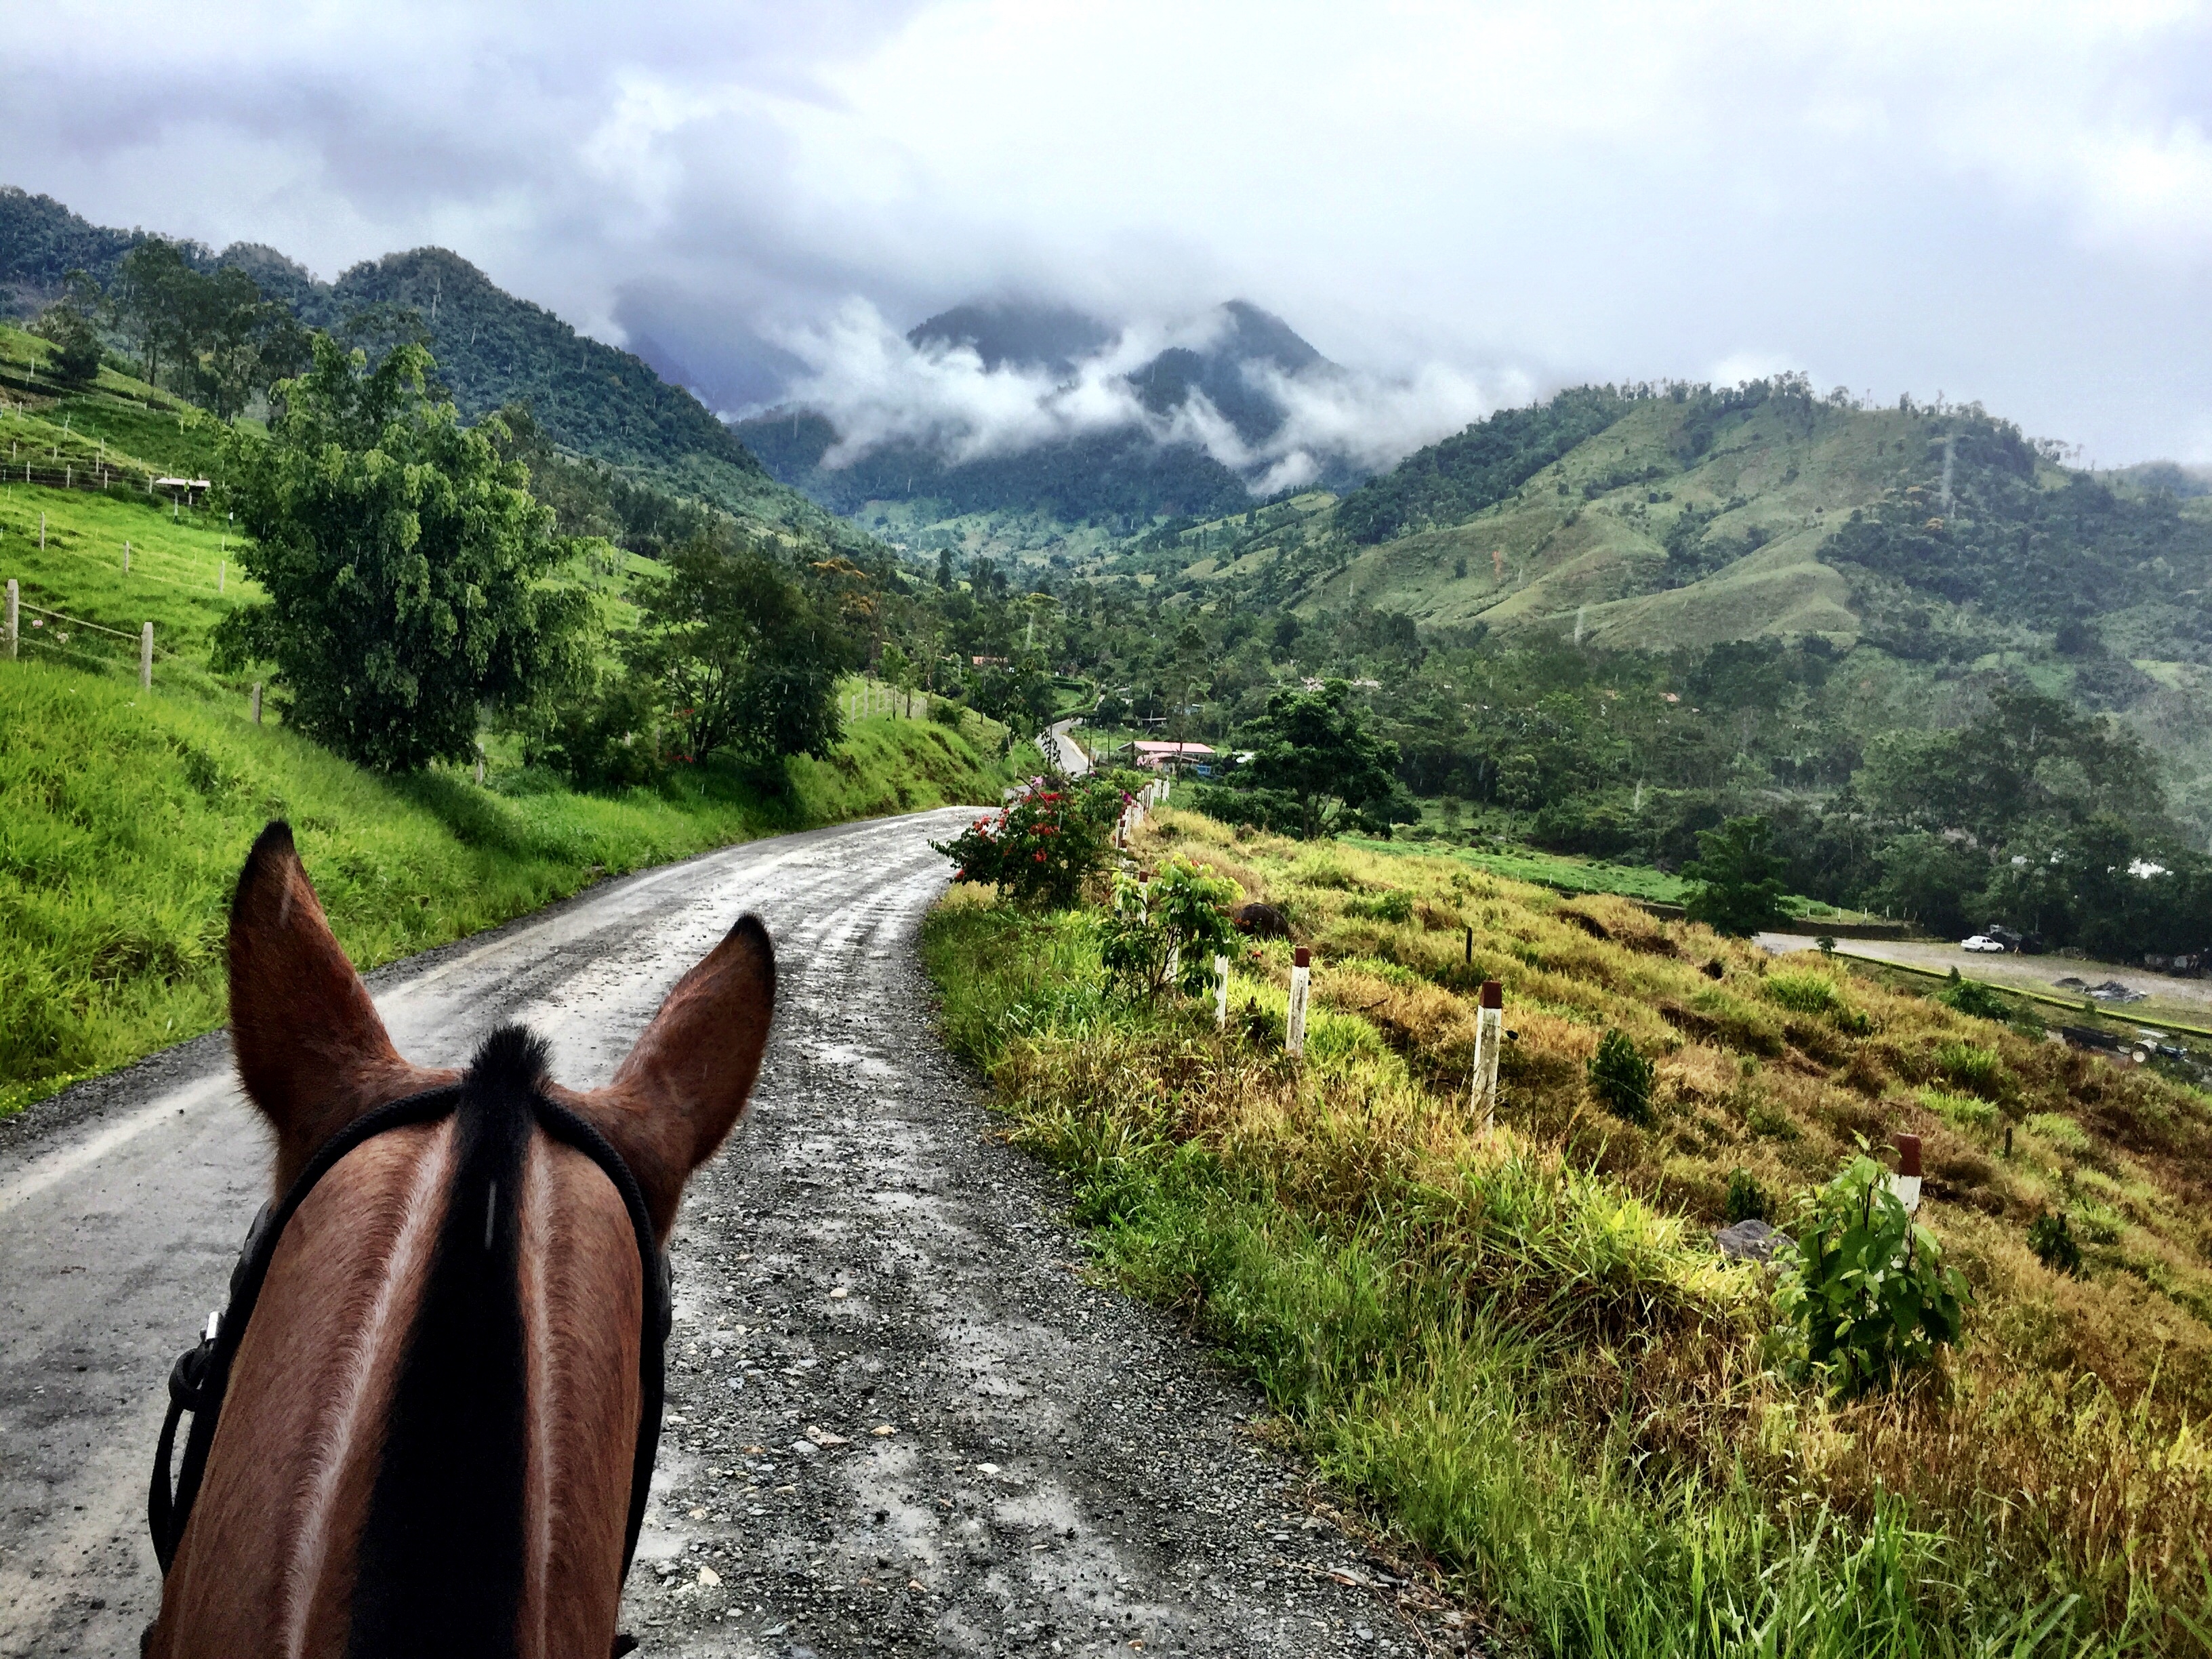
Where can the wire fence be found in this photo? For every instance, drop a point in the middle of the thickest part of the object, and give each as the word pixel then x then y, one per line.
pixel 54 635
pixel 101 477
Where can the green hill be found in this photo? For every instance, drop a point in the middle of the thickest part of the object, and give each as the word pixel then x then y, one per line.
pixel 493 348
pixel 126 809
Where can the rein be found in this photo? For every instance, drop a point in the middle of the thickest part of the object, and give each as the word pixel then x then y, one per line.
pixel 201 1376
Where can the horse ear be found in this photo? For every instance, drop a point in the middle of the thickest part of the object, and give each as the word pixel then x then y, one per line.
pixel 685 1084
pixel 311 1051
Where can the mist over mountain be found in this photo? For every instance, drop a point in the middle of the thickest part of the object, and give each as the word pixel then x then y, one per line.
pixel 1015 407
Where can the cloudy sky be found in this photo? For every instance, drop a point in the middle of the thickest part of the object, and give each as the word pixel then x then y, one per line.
pixel 2008 202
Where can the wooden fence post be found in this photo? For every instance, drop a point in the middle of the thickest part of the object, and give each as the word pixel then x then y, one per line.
pixel 1489 1036
pixel 1220 993
pixel 126 558
pixel 146 658
pixel 253 702
pixel 14 597
pixel 1294 1025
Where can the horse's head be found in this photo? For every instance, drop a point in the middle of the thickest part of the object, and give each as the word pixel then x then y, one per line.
pixel 436 1408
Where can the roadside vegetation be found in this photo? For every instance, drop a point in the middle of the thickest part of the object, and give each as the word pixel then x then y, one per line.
pixel 1523 1352
pixel 127 811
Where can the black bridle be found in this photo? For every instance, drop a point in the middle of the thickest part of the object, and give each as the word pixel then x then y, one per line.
pixel 201 1376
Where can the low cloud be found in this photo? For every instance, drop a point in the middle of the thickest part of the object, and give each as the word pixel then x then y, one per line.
pixel 878 388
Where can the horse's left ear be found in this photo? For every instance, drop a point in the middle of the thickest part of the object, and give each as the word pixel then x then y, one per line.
pixel 310 1049
pixel 684 1085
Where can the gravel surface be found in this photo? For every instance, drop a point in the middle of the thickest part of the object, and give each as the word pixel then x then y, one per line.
pixel 901 1418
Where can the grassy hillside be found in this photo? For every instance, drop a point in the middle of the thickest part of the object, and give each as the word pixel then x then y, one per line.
pixel 493 348
pixel 128 814
pixel 123 814
pixel 1522 1354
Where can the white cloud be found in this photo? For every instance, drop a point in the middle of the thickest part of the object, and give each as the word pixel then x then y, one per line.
pixel 2010 201
pixel 878 388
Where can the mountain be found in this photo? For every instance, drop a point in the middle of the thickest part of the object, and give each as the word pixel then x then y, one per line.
pixel 1076 494
pixel 1680 518
pixel 1051 338
pixel 493 348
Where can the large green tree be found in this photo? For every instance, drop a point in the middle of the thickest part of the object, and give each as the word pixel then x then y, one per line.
pixel 743 660
pixel 1315 749
pixel 1739 879
pixel 405 565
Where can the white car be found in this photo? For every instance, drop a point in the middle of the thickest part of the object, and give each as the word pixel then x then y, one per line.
pixel 1980 942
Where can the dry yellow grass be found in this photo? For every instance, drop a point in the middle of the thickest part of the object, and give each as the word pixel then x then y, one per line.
pixel 2068 1424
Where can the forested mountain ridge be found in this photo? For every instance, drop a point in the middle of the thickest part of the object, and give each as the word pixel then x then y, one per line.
pixel 1686 517
pixel 493 350
pixel 1064 500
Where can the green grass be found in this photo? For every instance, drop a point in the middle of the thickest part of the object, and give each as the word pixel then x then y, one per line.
pixel 1520 1353
pixel 128 815
pixel 175 567
pixel 1414 1347
pixel 1560 871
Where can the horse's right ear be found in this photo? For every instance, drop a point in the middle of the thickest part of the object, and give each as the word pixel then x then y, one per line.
pixel 684 1085
pixel 311 1051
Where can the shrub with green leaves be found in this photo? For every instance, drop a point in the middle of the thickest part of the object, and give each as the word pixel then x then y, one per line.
pixel 1803 992
pixel 1746 1199
pixel 1168 931
pixel 1041 848
pixel 1864 1300
pixel 1395 906
pixel 1970 996
pixel 1621 1078
pixel 2059 1130
pixel 2054 1244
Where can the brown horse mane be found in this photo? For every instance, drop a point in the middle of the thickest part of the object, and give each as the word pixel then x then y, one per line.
pixel 439 1560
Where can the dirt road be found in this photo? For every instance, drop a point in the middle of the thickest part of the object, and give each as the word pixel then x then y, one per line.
pixel 1062 1474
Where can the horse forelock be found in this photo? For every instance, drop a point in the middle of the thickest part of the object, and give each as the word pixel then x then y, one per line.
pixel 440 1564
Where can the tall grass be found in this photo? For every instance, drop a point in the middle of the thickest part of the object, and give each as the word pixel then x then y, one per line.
pixel 1523 1353
pixel 124 815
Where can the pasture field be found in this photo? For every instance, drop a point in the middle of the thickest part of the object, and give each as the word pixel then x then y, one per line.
pixel 1522 1352
pixel 128 814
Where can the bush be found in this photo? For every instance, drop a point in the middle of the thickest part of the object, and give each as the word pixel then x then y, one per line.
pixel 1041 848
pixel 1746 1199
pixel 1169 931
pixel 1621 1078
pixel 1865 1299
pixel 2053 1242
pixel 2059 1130
pixel 1970 996
pixel 945 711
pixel 1395 906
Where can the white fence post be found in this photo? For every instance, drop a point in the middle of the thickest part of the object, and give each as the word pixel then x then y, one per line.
pixel 1905 1184
pixel 126 558
pixel 1220 993
pixel 1489 1034
pixel 146 658
pixel 1294 1026
pixel 14 598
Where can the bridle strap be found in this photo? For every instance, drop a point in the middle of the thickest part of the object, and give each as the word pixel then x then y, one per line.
pixel 201 1378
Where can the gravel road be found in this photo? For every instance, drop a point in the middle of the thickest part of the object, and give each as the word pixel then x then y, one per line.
pixel 901 1420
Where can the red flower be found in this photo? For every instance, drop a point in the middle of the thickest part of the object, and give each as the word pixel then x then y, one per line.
pixel 1039 857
